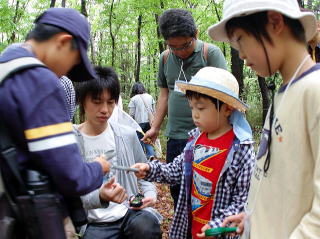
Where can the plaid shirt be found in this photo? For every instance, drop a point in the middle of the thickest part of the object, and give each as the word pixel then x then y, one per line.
pixel 70 95
pixel 231 191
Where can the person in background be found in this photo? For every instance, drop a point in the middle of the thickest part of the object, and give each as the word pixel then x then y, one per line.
pixel 185 56
pixel 140 106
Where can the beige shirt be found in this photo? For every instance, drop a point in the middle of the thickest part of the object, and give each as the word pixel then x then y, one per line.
pixel 288 198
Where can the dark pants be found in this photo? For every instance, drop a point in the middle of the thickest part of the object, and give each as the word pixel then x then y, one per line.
pixel 175 148
pixel 139 224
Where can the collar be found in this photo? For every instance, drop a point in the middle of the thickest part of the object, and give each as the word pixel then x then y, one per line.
pixel 194 133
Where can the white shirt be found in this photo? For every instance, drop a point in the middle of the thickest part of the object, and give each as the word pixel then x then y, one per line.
pixel 95 146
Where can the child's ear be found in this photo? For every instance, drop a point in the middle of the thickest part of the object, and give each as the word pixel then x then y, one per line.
pixel 63 39
pixel 276 21
pixel 228 110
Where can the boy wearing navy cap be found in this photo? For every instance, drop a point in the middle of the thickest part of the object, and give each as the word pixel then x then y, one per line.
pixel 33 108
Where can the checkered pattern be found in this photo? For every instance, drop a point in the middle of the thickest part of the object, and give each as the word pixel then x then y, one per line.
pixel 70 95
pixel 231 191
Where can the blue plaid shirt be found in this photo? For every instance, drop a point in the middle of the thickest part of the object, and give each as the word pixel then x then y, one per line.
pixel 231 191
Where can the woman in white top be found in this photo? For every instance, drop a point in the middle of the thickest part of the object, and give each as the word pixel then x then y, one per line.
pixel 140 105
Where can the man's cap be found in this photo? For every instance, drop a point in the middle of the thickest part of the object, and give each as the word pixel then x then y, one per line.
pixel 77 25
pixel 217 83
pixel 239 8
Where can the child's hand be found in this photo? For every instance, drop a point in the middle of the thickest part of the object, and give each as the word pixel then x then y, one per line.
pixel 147 202
pixel 143 169
pixel 203 229
pixel 235 221
pixel 112 192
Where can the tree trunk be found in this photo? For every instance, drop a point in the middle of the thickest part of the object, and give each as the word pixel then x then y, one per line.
pixel 161 45
pixel 52 3
pixel 15 20
pixel 111 34
pixel 63 3
pixel 301 3
pixel 265 97
pixel 138 50
pixel 237 69
pixel 219 18
pixel 83 8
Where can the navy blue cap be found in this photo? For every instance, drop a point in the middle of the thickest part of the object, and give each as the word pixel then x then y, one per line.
pixel 77 25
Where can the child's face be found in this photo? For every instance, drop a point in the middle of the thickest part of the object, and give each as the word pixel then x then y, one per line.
pixel 206 117
pixel 251 51
pixel 99 110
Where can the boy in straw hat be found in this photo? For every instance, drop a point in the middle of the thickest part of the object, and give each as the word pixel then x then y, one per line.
pixel 216 164
pixel 284 197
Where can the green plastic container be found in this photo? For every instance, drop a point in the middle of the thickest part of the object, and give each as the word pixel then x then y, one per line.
pixel 219 230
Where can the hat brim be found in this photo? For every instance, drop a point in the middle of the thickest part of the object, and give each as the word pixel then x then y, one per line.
pixel 218 31
pixel 228 99
pixel 83 71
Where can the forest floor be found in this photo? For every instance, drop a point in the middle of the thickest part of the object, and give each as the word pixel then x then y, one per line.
pixel 164 206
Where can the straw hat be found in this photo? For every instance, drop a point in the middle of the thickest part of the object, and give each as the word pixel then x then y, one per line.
pixel 238 8
pixel 217 83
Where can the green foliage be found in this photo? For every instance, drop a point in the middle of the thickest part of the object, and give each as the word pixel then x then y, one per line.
pixel 114 37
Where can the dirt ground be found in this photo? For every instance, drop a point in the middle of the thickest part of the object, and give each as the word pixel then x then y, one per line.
pixel 164 206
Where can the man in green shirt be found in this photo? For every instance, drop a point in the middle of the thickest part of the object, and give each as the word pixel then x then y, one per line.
pixel 185 56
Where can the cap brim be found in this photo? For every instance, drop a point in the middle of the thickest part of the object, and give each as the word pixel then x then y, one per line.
pixel 83 71
pixel 228 99
pixel 218 31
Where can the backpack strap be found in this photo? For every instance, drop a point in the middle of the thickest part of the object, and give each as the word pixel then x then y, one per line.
pixel 10 67
pixel 7 146
pixel 165 56
pixel 205 51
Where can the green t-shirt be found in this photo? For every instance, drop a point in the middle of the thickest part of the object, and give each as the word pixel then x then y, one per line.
pixel 179 114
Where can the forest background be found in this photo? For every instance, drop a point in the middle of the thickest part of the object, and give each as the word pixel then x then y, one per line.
pixel 125 35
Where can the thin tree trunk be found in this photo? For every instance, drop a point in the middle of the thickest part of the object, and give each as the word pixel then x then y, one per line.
pixel 265 96
pixel 138 50
pixel 301 3
pixel 237 69
pixel 111 34
pixel 83 8
pixel 15 20
pixel 52 3
pixel 162 46
pixel 63 3
pixel 219 18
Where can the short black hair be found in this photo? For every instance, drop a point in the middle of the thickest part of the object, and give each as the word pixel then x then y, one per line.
pixel 193 94
pixel 43 32
pixel 255 24
pixel 107 79
pixel 177 23
pixel 137 88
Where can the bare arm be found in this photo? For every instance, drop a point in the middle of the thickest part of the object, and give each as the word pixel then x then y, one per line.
pixel 161 112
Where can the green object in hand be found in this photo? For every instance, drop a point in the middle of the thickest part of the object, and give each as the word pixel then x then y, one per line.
pixel 219 230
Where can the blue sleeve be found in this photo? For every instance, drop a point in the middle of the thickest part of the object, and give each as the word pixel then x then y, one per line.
pixel 47 140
